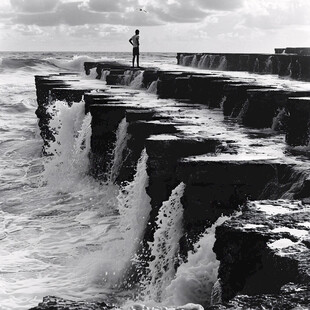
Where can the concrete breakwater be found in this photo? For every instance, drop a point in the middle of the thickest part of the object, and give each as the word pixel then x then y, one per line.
pixel 231 141
pixel 289 62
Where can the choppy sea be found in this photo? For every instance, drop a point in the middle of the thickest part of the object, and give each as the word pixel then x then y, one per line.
pixel 63 233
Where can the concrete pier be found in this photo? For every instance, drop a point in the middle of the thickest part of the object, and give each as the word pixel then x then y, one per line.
pixel 291 62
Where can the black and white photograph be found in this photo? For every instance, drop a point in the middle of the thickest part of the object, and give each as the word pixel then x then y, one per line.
pixel 154 154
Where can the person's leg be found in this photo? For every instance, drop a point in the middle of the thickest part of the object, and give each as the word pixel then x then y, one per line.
pixel 133 60
pixel 138 61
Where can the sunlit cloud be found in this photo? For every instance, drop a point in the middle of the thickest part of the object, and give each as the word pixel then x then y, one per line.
pixel 34 6
pixel 197 25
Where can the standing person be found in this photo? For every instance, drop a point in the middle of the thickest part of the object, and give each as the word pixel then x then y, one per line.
pixel 134 41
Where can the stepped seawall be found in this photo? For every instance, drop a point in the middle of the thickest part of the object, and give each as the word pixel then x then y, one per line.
pixel 238 142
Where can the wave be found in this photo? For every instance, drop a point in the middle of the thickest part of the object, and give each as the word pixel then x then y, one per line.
pixel 76 63
pixel 16 63
pixel 72 63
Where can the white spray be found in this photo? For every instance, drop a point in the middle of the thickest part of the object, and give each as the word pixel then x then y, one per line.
pixel 223 63
pixel 222 102
pixel 104 75
pixel 195 279
pixel 153 87
pixel 111 265
pixel 256 66
pixel 136 83
pixel 128 77
pixel 165 247
pixel 243 110
pixel 268 65
pixel 120 145
pixel 194 61
pixel 134 208
pixel 72 132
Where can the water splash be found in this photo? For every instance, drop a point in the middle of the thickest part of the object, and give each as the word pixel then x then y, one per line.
pixel 223 64
pixel 127 78
pixel 153 87
pixel 120 145
pixel 136 83
pixel 212 61
pixel 269 65
pixel 256 66
pixel 194 62
pixel 134 208
pixel 243 110
pixel 195 279
pixel 222 102
pixel 113 266
pixel 186 60
pixel 165 247
pixel 76 63
pixel 216 293
pixel 294 69
pixel 72 131
pixel 204 62
pixel 105 73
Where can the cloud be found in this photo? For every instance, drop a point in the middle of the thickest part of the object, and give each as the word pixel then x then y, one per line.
pixel 273 16
pixel 28 30
pixel 178 13
pixel 221 5
pixel 97 31
pixel 34 6
pixel 169 11
pixel 75 14
pixel 105 6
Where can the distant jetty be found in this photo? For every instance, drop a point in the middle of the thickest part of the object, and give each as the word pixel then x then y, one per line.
pixel 254 160
pixel 288 62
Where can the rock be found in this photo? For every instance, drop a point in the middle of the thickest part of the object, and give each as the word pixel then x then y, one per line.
pixel 138 133
pixel 291 296
pixel 68 94
pixel 56 303
pixel 200 87
pixel 236 95
pixel 264 248
pixel 299 121
pixel 216 186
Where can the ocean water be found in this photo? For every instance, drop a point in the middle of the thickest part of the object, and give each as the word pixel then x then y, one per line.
pixel 63 233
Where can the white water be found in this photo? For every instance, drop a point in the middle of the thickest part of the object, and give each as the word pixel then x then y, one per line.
pixel 153 87
pixel 105 73
pixel 136 82
pixel 268 65
pixel 134 208
pixel 195 279
pixel 120 145
pixel 72 132
pixel 204 62
pixel 50 223
pixel 243 110
pixel 128 77
pixel 165 247
pixel 222 102
pixel 223 64
pixel 256 66
pixel 60 229
pixel 194 61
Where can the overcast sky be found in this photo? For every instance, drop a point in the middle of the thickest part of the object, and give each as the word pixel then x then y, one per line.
pixel 165 25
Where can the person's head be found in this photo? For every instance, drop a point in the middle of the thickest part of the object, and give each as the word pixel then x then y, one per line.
pixel 137 31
